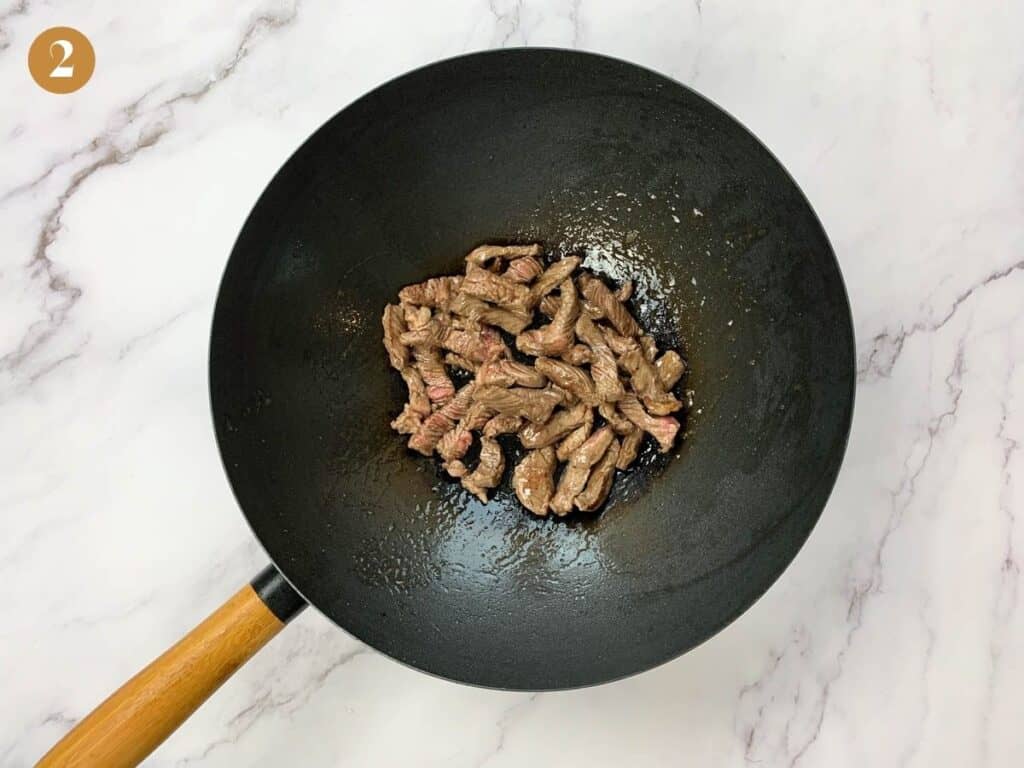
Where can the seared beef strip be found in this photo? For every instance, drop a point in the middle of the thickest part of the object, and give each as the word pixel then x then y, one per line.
pixel 670 368
pixel 494 288
pixel 661 428
pixel 597 293
pixel 574 478
pixel 488 470
pixel 630 448
pixel 525 269
pixel 592 360
pixel 505 373
pixel 569 377
pixel 435 292
pixel 600 481
pixel 646 383
pixel 561 424
pixel 533 405
pixel 533 479
pixel 424 440
pixel 552 277
pixel 485 253
pixel 603 367
pixel 576 438
pixel 558 335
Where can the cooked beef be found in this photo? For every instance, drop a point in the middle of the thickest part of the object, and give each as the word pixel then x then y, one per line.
pixel 435 292
pixel 506 373
pixel 488 470
pixel 558 335
pixel 424 440
pixel 569 378
pixel 647 385
pixel 578 354
pixel 475 311
pixel 574 478
pixel 670 368
pixel 502 425
pixel 597 293
pixel 630 447
pixel 552 277
pixel 577 437
pixel 525 269
pixel 485 253
pixel 603 367
pixel 430 368
pixel 533 480
pixel 494 288
pixel 394 326
pixel 599 483
pixel 592 360
pixel 619 423
pixel 661 428
pixel 558 426
pixel 533 405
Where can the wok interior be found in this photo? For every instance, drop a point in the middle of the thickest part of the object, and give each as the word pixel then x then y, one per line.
pixel 586 155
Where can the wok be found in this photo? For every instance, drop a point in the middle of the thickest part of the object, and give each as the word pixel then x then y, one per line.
pixel 588 155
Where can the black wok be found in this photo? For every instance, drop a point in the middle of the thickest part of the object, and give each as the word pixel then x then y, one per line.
pixel 589 155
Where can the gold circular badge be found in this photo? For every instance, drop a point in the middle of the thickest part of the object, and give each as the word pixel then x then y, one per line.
pixel 61 60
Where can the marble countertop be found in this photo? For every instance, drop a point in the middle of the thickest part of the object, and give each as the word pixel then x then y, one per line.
pixel 896 637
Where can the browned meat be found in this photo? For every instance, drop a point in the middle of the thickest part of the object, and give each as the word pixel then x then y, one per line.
pixel 505 373
pixel 424 440
pixel 485 253
pixel 670 368
pixel 649 346
pixel 552 277
pixel 454 444
pixel 525 269
pixel 502 425
pixel 476 311
pixel 618 343
pixel 619 423
pixel 597 293
pixel 558 335
pixel 435 292
pixel 429 366
pixel 476 346
pixel 430 334
pixel 576 438
pixel 569 378
pixel 560 425
pixel 661 428
pixel 577 354
pixel 590 359
pixel 599 483
pixel 419 402
pixel 574 478
pixel 630 448
pixel 533 480
pixel 534 405
pixel 408 421
pixel 394 326
pixel 603 368
pixel 494 288
pixel 488 471
pixel 458 361
pixel 647 385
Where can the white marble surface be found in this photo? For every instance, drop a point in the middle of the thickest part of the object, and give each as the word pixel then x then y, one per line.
pixel 896 638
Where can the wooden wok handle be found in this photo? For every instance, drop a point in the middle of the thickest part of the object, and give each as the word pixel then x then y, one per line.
pixel 143 712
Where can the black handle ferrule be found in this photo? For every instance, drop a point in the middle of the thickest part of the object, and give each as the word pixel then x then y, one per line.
pixel 274 590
